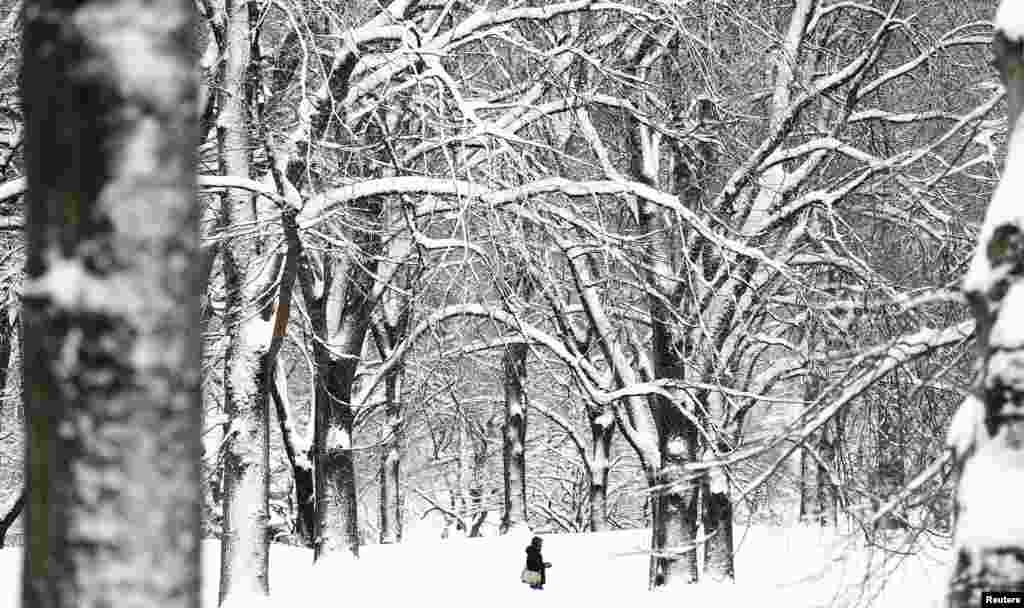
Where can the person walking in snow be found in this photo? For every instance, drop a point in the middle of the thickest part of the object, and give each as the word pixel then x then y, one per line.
pixel 536 568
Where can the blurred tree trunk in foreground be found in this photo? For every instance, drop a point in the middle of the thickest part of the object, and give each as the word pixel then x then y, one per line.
pixel 111 305
pixel 987 432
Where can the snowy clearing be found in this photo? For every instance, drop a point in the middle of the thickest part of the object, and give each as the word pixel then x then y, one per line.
pixel 792 567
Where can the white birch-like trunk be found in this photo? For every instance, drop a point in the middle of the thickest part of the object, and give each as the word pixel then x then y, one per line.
pixel 987 432
pixel 514 444
pixel 246 480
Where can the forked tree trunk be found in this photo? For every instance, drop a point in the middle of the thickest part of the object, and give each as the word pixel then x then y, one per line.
pixel 675 506
pixel 339 308
pixel 987 432
pixel 514 444
pixel 111 306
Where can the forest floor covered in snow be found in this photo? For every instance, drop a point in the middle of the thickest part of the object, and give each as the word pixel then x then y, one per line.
pixel 792 567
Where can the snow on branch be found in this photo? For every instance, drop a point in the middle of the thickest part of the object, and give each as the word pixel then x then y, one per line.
pixel 887 359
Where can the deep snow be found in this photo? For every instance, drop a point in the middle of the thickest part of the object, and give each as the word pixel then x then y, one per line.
pixel 793 567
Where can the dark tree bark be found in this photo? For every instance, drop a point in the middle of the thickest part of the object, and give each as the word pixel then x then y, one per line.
pixel 514 444
pixel 717 518
pixel 298 459
pixel 337 525
pixel 11 516
pixel 809 508
pixel 111 305
pixel 986 432
pixel 828 494
pixel 675 503
pixel 8 322
pixel 338 298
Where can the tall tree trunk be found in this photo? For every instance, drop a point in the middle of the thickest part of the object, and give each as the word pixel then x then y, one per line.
pixel 828 494
pixel 337 522
pixel 246 477
pixel 986 432
pixel 717 518
pixel 812 472
pixel 390 330
pixel 339 306
pixel 111 306
pixel 809 507
pixel 391 459
pixel 514 444
pixel 602 430
pixel 890 474
pixel 675 501
pixel 462 473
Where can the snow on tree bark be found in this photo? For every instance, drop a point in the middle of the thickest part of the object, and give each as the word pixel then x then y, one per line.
pixel 717 517
pixel 602 431
pixel 111 306
pixel 676 499
pixel 246 480
pixel 514 444
pixel 337 501
pixel 987 432
pixel 297 450
pixel 256 314
pixel 339 307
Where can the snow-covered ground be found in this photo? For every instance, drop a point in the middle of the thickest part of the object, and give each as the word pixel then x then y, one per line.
pixel 793 567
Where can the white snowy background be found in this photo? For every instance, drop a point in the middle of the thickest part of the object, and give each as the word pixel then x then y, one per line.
pixel 795 567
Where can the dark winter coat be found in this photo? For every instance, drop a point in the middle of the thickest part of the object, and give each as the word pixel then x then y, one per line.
pixel 535 562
